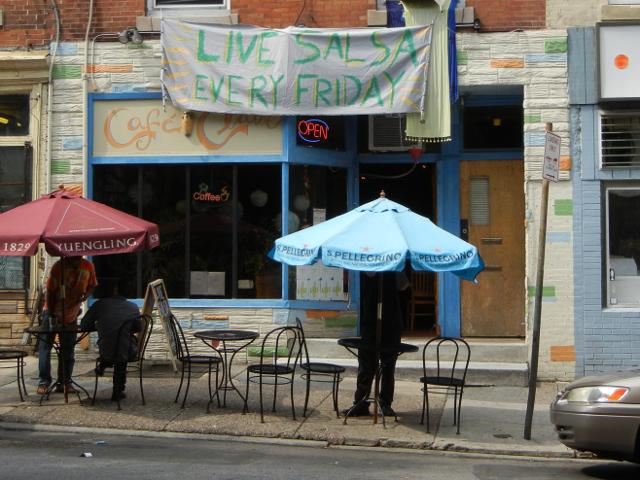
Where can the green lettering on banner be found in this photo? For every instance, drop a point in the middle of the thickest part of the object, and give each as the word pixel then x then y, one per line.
pixel 197 88
pixel 242 53
pixel 334 44
pixel 373 91
pixel 202 55
pixel 299 89
pixel 337 91
pixel 315 51
pixel 256 92
pixel 215 90
pixel 406 45
pixel 380 45
pixel 231 91
pixel 263 50
pixel 393 82
pixel 347 49
pixel 275 84
pixel 356 81
pixel 228 49
pixel 320 92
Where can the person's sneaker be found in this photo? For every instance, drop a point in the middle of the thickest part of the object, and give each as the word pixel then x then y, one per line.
pixel 115 396
pixel 357 410
pixel 387 411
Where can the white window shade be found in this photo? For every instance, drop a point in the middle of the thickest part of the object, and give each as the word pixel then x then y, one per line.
pixel 479 198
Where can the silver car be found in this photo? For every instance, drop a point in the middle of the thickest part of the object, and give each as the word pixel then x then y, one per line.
pixel 601 414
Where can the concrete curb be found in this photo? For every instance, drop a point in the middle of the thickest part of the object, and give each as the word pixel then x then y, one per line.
pixel 330 442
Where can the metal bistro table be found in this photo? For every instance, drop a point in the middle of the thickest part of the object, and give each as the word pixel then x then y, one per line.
pixel 49 335
pixel 217 340
pixel 355 344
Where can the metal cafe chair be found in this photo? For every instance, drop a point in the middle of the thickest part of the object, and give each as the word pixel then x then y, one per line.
pixel 18 356
pixel 279 356
pixel 318 372
pixel 187 360
pixel 134 365
pixel 450 373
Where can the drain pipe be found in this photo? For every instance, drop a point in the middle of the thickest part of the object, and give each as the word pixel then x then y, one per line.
pixel 85 92
pixel 47 165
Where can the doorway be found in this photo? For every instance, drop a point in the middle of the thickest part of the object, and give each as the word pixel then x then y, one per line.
pixel 492 207
pixel 414 186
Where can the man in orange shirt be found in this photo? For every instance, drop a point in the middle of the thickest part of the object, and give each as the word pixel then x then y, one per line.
pixel 70 282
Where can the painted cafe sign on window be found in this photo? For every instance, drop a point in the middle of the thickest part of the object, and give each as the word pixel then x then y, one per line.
pixel 145 128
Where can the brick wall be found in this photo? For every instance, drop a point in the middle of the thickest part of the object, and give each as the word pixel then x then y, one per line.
pixel 31 23
pixel 506 15
pixel 322 14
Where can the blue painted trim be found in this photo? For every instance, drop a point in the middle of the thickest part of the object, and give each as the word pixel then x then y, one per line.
pixel 284 279
pixel 224 303
pixel 125 96
pixel 448 212
pixel 176 160
pixel 491 100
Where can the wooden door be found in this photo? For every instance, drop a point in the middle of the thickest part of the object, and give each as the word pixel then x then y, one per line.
pixel 492 205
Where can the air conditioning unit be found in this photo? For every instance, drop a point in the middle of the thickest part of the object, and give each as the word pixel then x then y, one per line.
pixel 386 134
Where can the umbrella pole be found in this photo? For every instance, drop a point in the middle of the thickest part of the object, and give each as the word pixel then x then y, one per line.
pixel 60 323
pixel 376 390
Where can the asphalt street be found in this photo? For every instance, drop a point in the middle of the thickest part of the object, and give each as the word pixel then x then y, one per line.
pixel 34 454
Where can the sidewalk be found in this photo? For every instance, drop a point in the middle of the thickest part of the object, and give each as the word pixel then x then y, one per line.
pixel 492 416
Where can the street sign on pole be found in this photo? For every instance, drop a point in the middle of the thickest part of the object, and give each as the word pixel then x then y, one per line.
pixel 551 152
pixel 551 164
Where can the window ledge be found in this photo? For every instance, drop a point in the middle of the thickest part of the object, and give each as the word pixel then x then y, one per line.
pixel 152 24
pixel 621 310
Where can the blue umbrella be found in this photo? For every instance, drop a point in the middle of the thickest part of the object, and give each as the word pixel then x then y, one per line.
pixel 380 236
pixel 375 237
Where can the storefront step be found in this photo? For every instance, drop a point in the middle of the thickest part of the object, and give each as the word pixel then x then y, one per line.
pixel 482 350
pixel 479 374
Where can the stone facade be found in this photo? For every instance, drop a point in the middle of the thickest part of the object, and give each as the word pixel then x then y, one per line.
pixel 535 59
pixel 538 61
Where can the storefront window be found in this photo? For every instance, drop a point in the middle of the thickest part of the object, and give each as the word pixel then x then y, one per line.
pixel 316 194
pixel 14 115
pixel 623 246
pixel 217 222
pixel 15 188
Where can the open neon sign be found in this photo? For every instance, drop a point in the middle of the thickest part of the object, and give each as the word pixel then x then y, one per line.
pixel 313 130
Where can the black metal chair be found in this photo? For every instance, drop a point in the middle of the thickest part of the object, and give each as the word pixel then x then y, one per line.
pixel 18 356
pixel 450 372
pixel 279 356
pixel 319 372
pixel 136 363
pixel 187 360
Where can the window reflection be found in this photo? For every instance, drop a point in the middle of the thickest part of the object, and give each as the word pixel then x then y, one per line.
pixel 15 187
pixel 217 223
pixel 316 194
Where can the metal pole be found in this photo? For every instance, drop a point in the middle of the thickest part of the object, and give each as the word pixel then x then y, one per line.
pixel 537 309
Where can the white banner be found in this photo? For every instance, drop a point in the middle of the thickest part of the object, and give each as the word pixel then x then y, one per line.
pixel 251 70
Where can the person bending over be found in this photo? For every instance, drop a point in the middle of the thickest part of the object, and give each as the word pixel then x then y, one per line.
pixel 116 320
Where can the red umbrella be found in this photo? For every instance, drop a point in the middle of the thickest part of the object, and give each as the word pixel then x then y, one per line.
pixel 70 225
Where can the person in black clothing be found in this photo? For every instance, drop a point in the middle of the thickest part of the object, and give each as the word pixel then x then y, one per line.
pixel 392 284
pixel 116 320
